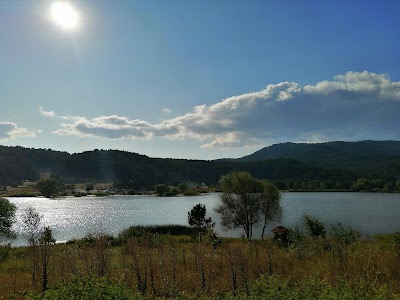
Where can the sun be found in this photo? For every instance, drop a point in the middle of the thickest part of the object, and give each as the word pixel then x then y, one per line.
pixel 63 14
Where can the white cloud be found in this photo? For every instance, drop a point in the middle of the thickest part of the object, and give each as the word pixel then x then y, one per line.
pixel 10 131
pixel 166 110
pixel 49 114
pixel 353 106
pixel 113 127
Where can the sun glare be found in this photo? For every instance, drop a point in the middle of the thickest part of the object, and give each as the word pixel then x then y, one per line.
pixel 64 15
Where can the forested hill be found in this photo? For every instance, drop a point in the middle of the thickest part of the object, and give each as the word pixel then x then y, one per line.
pixel 19 163
pixel 306 166
pixel 349 155
pixel 137 171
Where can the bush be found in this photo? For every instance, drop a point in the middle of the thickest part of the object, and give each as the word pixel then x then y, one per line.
pixel 182 187
pixel 295 241
pixel 4 252
pixel 170 194
pixel 191 193
pixel 86 288
pixel 344 236
pixel 214 240
pixel 132 192
pixel 314 227
pixel 140 231
pixel 161 189
pixel 273 287
pixel 396 244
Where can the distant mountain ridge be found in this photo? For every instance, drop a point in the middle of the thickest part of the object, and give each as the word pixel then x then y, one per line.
pixel 289 165
pixel 136 171
pixel 338 154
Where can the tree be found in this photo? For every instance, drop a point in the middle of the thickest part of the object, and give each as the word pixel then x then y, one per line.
pixel 362 184
pixel 89 187
pixel 240 207
pixel 161 189
pixel 182 187
pixel 197 219
pixel 46 239
pixel 314 227
pixel 48 187
pixel 398 184
pixel 7 214
pixel 32 231
pixel 32 224
pixel 270 206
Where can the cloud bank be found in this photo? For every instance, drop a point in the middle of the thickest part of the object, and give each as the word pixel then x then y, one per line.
pixel 353 106
pixel 11 131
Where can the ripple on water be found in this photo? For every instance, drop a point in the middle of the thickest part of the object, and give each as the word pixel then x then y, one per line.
pixel 75 217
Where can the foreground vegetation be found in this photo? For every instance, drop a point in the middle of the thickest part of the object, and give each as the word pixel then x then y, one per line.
pixel 143 264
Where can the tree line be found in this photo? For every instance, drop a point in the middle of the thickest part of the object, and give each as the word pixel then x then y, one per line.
pixel 139 172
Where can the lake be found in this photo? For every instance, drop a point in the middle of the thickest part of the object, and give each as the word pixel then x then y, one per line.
pixel 72 217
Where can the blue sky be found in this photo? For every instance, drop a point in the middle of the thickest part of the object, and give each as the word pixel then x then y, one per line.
pixel 198 79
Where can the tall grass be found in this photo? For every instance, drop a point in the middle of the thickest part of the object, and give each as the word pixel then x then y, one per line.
pixel 154 265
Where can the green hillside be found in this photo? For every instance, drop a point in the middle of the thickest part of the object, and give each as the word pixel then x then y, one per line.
pixel 326 166
pixel 361 155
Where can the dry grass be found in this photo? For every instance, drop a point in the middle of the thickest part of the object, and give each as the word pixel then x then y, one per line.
pixel 166 267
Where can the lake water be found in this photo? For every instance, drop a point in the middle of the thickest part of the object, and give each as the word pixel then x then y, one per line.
pixel 72 217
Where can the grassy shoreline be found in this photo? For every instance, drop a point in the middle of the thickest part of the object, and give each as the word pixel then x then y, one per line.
pixel 150 262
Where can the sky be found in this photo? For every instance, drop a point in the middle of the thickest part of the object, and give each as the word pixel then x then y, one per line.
pixel 197 79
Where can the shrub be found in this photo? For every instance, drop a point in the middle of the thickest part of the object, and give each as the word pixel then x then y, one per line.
pixel 396 244
pixel 161 189
pixel 86 288
pixel 296 238
pixel 214 240
pixel 182 187
pixel 4 252
pixel 140 231
pixel 344 236
pixel 170 194
pixel 273 287
pixel 191 193
pixel 314 227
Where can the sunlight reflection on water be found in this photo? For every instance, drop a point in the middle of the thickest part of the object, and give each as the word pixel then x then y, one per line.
pixel 75 217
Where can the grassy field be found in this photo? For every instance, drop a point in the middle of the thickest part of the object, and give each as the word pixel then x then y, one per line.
pixel 146 265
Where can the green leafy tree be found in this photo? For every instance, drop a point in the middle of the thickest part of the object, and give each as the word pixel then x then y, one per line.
pixel 197 219
pixel 362 184
pixel 270 206
pixel 314 227
pixel 240 207
pixel 161 189
pixel 398 184
pixel 89 187
pixel 246 201
pixel 7 214
pixel 182 187
pixel 48 187
pixel 388 186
